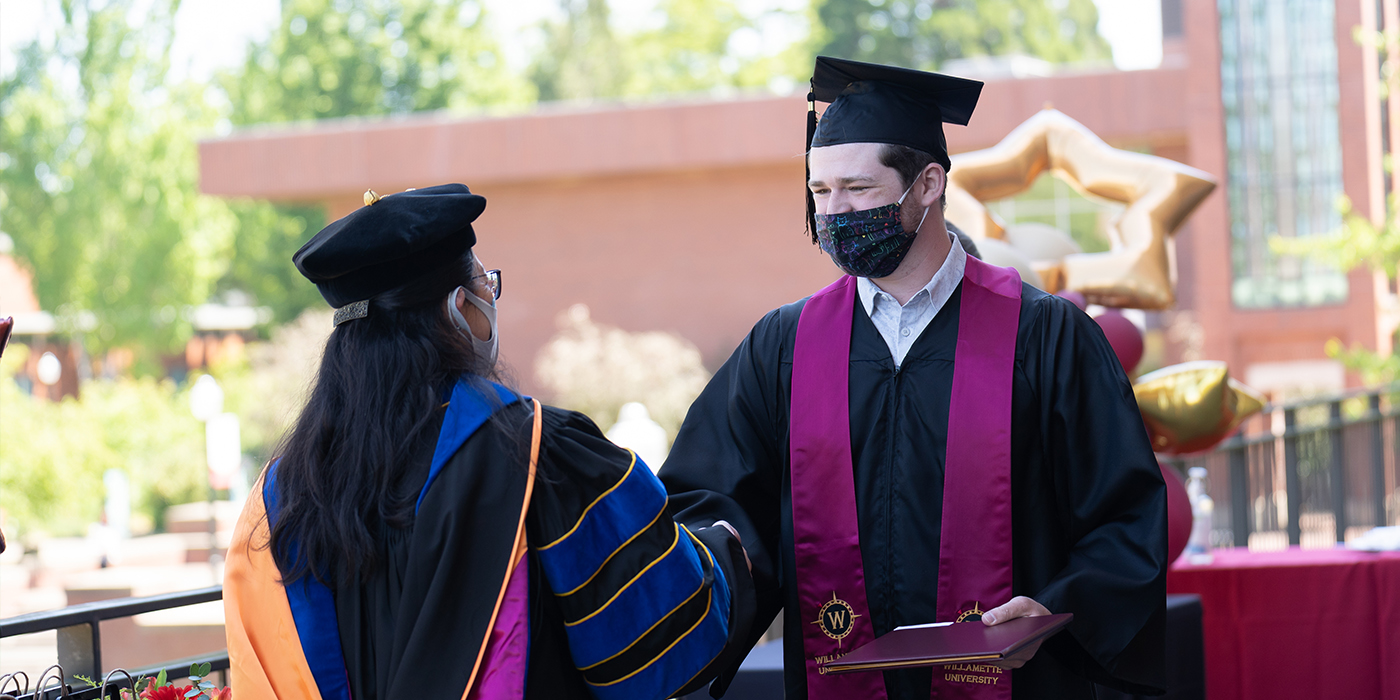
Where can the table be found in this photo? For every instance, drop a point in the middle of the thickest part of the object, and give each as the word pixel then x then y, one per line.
pixel 1298 623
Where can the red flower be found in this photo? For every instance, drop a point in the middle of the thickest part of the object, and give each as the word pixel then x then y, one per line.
pixel 168 692
pixel 225 694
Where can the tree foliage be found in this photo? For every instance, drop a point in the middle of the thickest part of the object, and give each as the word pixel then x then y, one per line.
pixel 98 176
pixel 99 184
pixel 56 452
pixel 695 45
pixel 692 49
pixel 925 33
pixel 584 57
pixel 260 263
pixel 1356 243
pixel 350 58
pixel 685 46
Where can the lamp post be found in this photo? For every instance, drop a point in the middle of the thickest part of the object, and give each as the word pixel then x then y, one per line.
pixel 207 404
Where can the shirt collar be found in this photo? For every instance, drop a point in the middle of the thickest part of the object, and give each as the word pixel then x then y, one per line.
pixel 939 288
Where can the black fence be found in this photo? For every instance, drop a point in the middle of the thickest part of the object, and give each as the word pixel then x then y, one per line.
pixel 80 647
pixel 1311 473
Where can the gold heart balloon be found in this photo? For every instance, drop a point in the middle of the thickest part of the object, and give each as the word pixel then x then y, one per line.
pixel 1192 406
pixel 1139 269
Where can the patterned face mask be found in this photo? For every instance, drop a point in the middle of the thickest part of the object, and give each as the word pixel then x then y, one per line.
pixel 870 242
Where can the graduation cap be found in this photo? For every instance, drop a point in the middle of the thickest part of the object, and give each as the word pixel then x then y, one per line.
pixel 388 242
pixel 871 103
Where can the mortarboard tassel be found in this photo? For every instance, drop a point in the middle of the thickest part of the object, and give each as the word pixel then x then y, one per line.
pixel 807 160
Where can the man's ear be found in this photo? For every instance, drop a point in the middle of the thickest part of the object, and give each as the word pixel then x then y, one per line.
pixel 935 180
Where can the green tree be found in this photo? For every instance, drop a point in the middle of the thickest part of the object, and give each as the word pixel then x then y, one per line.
pixel 350 58
pixel 687 46
pixel 582 57
pixel 925 33
pixel 56 452
pixel 98 178
pixel 692 51
pixel 260 264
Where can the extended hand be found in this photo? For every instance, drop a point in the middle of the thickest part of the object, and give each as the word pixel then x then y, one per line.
pixel 1020 606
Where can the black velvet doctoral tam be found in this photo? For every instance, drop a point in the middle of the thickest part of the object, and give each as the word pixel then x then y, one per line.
pixel 383 245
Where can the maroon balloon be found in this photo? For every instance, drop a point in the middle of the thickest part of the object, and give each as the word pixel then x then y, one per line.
pixel 1178 513
pixel 1124 336
pixel 1074 298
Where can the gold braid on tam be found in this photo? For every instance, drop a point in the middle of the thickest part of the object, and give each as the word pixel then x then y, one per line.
pixel 351 311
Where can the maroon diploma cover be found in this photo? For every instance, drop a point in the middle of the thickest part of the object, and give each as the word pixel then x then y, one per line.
pixel 961 648
pixel 975 549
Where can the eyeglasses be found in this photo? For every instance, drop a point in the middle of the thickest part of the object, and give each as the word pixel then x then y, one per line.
pixel 493 282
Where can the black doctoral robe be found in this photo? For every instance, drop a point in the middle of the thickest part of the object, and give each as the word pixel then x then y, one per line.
pixel 411 630
pixel 1088 501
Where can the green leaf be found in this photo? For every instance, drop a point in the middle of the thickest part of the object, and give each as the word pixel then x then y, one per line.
pixel 161 679
pixel 192 692
pixel 103 182
pixel 1062 31
pixel 205 668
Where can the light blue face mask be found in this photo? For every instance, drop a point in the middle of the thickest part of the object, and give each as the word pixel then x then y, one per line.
pixel 485 349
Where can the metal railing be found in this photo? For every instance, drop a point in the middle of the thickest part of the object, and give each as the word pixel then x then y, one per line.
pixel 80 642
pixel 1307 472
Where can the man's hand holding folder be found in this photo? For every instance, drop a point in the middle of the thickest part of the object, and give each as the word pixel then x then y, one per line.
pixel 1020 606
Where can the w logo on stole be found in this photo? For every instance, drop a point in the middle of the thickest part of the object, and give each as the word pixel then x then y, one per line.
pixel 836 619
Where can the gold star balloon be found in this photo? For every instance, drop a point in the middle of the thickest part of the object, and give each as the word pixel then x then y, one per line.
pixel 1192 406
pixel 1139 269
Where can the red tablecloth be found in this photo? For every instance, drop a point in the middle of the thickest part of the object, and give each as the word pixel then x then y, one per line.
pixel 1298 623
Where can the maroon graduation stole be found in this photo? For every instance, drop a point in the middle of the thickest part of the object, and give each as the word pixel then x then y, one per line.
pixel 974 572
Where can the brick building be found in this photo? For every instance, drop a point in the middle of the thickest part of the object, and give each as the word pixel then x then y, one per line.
pixel 686 216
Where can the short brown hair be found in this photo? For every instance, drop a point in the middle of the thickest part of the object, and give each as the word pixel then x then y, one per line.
pixel 909 162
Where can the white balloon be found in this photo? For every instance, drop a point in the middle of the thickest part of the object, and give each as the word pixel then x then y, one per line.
pixel 1041 241
pixel 998 252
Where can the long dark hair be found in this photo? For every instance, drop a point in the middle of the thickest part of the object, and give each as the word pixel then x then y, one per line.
pixel 339 470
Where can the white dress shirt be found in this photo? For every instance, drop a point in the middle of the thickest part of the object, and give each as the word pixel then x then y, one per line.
pixel 899 325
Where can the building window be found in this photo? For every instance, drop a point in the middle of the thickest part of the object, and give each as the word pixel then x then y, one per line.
pixel 1278 72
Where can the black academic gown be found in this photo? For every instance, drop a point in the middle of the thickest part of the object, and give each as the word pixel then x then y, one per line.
pixel 411 630
pixel 1088 501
